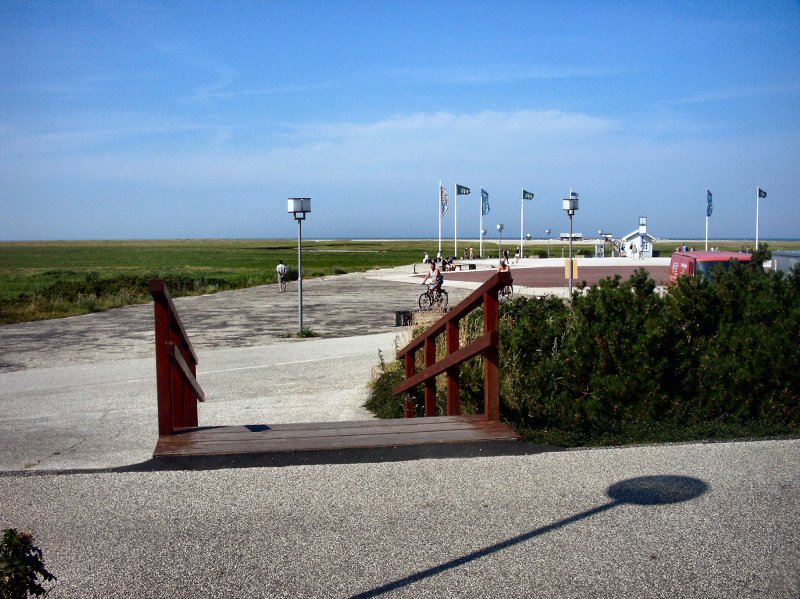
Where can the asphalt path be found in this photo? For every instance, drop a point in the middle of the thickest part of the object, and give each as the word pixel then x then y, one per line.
pixel 77 426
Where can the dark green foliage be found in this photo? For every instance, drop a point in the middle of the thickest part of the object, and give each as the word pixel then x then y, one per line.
pixel 761 255
pixel 623 363
pixel 21 566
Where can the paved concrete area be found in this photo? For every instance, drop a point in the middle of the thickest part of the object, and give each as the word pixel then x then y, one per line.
pixel 77 426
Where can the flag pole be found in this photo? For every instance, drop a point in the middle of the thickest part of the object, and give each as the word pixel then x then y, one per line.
pixel 521 223
pixel 455 222
pixel 706 232
pixel 480 225
pixel 758 201
pixel 439 211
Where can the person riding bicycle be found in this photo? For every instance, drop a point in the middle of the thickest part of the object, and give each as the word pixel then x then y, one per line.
pixel 436 278
pixel 505 267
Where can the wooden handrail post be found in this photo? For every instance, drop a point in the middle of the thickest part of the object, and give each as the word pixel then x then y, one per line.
pixel 491 358
pixel 453 386
pixel 488 345
pixel 176 366
pixel 411 370
pixel 430 384
pixel 163 383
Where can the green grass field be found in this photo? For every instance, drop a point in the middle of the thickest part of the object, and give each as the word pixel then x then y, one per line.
pixel 52 279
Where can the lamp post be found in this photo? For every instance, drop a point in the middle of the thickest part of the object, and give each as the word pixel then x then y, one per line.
pixel 570 205
pixel 547 232
pixel 500 240
pixel 299 207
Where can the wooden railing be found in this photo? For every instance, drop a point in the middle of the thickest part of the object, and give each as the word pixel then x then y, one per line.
pixel 176 366
pixel 487 344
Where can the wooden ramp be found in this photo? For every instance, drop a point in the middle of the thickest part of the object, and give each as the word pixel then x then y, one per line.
pixel 331 436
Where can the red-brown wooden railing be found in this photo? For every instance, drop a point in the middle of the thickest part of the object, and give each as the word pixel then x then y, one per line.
pixel 487 344
pixel 176 366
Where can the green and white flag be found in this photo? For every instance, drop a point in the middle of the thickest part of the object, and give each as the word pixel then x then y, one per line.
pixel 462 190
pixel 527 195
pixel 484 202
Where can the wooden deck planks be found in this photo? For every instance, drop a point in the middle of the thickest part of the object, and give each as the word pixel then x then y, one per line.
pixel 316 436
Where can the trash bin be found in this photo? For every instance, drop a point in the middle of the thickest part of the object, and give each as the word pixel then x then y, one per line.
pixel 402 318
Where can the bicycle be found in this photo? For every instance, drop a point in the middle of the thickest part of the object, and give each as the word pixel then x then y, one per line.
pixel 432 297
pixel 505 293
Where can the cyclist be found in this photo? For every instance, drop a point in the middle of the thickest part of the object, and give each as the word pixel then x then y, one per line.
pixel 436 278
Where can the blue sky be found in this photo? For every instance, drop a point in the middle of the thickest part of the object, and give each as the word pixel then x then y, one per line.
pixel 138 119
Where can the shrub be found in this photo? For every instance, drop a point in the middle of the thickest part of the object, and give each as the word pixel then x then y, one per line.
pixel 623 363
pixel 21 566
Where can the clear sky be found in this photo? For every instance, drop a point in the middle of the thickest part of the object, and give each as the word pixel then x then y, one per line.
pixel 159 119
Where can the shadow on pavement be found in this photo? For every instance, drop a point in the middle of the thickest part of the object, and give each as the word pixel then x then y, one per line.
pixel 312 458
pixel 643 490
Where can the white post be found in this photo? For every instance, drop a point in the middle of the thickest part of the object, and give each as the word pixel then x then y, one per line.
pixel 480 229
pixel 300 273
pixel 758 201
pixel 570 252
pixel 706 232
pixel 521 223
pixel 455 222
pixel 439 211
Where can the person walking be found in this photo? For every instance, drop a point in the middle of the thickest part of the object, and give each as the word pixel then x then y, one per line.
pixel 281 270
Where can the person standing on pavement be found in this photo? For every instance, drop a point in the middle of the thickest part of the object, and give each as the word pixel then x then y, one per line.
pixel 281 270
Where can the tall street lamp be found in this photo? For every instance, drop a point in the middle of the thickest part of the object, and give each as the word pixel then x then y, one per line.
pixel 299 207
pixel 570 205
pixel 547 232
pixel 500 240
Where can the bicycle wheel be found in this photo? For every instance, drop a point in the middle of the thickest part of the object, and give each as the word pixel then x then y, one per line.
pixel 425 302
pixel 441 301
pixel 505 293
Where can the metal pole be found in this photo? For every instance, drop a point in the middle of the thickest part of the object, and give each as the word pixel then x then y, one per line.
pixel 758 200
pixel 706 232
pixel 570 254
pixel 439 210
pixel 480 231
pixel 500 244
pixel 521 225
pixel 455 222
pixel 300 273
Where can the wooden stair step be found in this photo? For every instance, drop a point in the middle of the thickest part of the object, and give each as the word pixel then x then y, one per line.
pixel 315 436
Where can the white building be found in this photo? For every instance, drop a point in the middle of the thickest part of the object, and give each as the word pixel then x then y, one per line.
pixel 639 243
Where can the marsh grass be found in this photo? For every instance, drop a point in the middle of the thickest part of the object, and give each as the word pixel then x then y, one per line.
pixel 42 280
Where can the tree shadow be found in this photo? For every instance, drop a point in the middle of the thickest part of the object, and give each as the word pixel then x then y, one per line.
pixel 642 490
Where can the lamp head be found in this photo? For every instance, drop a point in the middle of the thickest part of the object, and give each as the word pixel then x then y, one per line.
pixel 299 207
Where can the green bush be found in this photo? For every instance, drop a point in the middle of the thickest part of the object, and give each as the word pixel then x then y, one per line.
pixel 623 363
pixel 21 566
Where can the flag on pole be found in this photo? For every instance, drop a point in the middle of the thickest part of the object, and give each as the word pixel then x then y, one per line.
pixel 710 207
pixel 484 201
pixel 573 194
pixel 462 190
pixel 762 193
pixel 527 195
pixel 443 200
